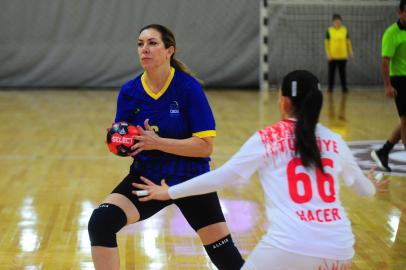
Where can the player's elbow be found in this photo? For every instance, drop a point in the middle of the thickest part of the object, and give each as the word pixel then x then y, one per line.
pixel 206 151
pixel 385 62
pixel 206 147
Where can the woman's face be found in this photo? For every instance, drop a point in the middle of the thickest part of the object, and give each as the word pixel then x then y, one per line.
pixel 337 23
pixel 151 50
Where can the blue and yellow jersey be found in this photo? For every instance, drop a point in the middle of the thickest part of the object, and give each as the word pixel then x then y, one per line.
pixel 337 43
pixel 179 111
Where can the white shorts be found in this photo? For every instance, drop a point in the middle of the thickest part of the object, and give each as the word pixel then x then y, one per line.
pixel 270 258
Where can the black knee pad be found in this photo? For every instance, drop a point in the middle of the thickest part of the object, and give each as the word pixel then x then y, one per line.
pixel 224 254
pixel 104 223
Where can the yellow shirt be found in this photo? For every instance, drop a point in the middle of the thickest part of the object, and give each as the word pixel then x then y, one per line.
pixel 338 43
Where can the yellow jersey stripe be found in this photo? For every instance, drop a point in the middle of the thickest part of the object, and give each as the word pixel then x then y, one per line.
pixel 206 133
pixel 164 88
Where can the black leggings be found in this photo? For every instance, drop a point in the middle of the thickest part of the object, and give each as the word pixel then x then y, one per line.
pixel 199 211
pixel 341 70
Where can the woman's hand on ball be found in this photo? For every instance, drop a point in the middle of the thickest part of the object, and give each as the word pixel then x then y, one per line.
pixel 147 140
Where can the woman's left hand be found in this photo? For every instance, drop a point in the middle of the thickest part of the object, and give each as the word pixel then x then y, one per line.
pixel 380 181
pixel 155 192
pixel 147 140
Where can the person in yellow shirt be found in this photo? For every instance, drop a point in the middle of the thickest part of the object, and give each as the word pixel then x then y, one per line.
pixel 338 49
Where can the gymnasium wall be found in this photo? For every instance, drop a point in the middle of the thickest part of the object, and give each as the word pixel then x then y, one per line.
pixel 297 30
pixel 93 43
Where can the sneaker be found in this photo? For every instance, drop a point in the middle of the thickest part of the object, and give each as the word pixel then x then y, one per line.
pixel 381 159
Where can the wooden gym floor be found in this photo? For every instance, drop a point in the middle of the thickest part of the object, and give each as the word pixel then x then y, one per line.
pixel 55 168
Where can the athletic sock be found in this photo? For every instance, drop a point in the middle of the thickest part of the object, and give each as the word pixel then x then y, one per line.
pixel 224 254
pixel 387 147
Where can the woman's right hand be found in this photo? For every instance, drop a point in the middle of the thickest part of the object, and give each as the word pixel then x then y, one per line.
pixel 147 140
pixel 390 91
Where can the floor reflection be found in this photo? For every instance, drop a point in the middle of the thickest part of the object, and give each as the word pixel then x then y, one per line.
pixel 82 234
pixel 241 215
pixel 337 122
pixel 31 267
pixel 149 242
pixel 342 108
pixel 29 239
pixel 393 222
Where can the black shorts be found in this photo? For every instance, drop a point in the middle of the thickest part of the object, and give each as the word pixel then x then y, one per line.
pixel 399 83
pixel 200 211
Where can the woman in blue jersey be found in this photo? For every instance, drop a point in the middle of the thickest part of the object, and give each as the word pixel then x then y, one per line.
pixel 177 134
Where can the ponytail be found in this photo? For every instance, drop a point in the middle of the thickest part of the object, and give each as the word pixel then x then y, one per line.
pixel 177 64
pixel 307 113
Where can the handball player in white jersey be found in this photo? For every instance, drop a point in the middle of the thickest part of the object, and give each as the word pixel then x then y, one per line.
pixel 300 163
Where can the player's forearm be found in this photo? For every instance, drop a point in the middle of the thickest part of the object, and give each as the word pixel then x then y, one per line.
pixel 205 183
pixel 190 147
pixel 385 71
pixel 363 186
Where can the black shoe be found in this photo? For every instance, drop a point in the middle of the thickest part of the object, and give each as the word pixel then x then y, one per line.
pixel 381 159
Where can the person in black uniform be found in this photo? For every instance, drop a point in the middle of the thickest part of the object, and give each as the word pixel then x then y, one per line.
pixel 177 135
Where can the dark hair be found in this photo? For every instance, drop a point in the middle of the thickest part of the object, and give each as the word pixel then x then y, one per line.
pixel 168 38
pixel 303 88
pixel 337 17
pixel 402 4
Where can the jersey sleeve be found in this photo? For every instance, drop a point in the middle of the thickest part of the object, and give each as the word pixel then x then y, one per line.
pixel 121 105
pixel 353 175
pixel 235 171
pixel 388 46
pixel 205 183
pixel 350 169
pixel 327 44
pixel 327 35
pixel 200 115
pixel 249 158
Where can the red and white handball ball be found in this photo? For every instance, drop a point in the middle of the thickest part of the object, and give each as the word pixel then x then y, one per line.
pixel 120 138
